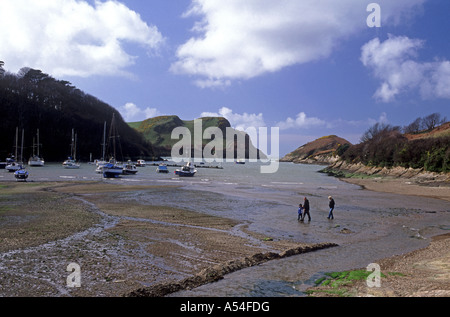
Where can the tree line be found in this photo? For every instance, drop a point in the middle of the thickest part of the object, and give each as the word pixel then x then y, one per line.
pixel 32 100
pixel 384 145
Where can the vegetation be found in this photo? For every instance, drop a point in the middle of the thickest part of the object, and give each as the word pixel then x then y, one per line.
pixel 32 100
pixel 340 283
pixel 325 147
pixel 386 146
pixel 158 131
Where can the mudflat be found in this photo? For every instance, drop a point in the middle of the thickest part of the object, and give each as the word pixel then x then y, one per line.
pixel 421 273
pixel 120 246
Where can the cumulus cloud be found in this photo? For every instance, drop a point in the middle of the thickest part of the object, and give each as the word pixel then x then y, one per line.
pixel 244 39
pixel 72 37
pixel 301 121
pixel 394 62
pixel 132 113
pixel 238 121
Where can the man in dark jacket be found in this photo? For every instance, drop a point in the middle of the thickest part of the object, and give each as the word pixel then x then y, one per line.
pixel 331 205
pixel 306 209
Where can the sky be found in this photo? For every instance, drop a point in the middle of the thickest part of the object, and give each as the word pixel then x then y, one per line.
pixel 311 68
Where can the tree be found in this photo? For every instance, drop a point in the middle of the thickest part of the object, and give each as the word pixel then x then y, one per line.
pixel 378 130
pixel 414 127
pixel 2 70
pixel 433 120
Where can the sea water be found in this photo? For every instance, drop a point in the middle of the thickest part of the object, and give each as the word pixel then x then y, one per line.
pixel 368 226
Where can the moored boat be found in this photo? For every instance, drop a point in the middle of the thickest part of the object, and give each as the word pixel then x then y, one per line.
pixel 111 170
pixel 71 162
pixel 162 168
pixel 21 174
pixel 35 160
pixel 187 170
pixel 129 168
pixel 141 163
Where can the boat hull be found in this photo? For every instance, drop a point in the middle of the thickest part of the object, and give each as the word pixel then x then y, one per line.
pixel 21 175
pixel 184 174
pixel 112 171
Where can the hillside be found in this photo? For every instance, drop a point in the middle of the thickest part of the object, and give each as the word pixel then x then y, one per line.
pixel 388 148
pixel 158 131
pixel 320 151
pixel 32 100
pixel 440 131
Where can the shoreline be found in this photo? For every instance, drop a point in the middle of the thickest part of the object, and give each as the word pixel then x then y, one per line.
pixel 421 273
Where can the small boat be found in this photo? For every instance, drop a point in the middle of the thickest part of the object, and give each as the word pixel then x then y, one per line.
pixel 141 163
pixel 186 171
pixel 9 161
pixel 13 167
pixel 70 164
pixel 162 168
pixel 129 169
pixel 111 170
pixel 35 160
pixel 21 174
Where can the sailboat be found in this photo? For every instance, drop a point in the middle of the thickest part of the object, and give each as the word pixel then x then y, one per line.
pixel 71 163
pixel 112 169
pixel 36 160
pixel 13 165
pixel 17 167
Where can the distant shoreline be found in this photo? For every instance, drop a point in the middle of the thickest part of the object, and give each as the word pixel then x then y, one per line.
pixel 397 180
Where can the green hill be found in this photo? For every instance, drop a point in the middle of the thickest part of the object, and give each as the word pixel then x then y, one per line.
pixel 158 131
pixel 320 151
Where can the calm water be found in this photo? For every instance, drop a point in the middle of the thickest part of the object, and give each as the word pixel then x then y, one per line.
pixel 381 225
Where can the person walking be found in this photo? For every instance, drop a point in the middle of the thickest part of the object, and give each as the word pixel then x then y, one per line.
pixel 331 205
pixel 306 209
pixel 300 212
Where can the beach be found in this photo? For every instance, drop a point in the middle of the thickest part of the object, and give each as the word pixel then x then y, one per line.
pixel 421 273
pixel 128 242
pixel 120 247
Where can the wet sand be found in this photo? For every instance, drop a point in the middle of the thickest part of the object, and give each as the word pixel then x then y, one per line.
pixel 421 273
pixel 123 248
pixel 404 186
pixel 129 248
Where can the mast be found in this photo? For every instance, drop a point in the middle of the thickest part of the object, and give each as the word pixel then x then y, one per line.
pixel 38 145
pixel 104 142
pixel 75 149
pixel 21 148
pixel 72 144
pixel 17 143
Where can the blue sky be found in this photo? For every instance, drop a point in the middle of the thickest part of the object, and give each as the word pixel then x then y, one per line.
pixel 312 68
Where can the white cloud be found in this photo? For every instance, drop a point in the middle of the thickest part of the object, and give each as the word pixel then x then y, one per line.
pixel 243 39
pixel 301 121
pixel 132 113
pixel 238 121
pixel 72 37
pixel 394 63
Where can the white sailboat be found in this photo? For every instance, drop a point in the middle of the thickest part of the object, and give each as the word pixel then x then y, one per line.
pixel 112 169
pixel 14 165
pixel 71 162
pixel 36 160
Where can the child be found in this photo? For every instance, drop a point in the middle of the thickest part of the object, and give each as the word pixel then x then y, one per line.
pixel 300 212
